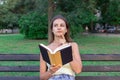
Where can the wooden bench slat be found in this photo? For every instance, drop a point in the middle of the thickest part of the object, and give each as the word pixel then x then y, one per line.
pixel 35 57
pixel 115 68
pixel 19 78
pixel 36 68
pixel 100 57
pixel 97 78
pixel 77 78
pixel 19 68
pixel 19 57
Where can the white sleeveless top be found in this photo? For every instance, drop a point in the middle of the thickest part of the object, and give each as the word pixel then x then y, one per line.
pixel 65 69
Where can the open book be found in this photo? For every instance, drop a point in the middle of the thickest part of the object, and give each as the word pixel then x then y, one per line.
pixel 59 56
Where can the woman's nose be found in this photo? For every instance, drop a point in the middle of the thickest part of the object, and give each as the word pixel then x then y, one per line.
pixel 58 27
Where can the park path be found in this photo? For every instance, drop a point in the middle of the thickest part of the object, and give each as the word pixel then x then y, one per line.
pixel 96 34
pixel 103 34
pixel 106 34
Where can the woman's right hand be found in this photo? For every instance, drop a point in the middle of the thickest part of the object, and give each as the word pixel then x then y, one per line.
pixel 62 39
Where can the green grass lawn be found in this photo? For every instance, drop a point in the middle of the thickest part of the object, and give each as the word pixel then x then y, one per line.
pixel 89 44
pixel 98 44
pixel 16 43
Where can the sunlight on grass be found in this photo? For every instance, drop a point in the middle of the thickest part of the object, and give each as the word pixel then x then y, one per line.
pixel 18 44
pixel 98 44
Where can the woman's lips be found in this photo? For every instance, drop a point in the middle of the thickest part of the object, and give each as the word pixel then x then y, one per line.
pixel 59 31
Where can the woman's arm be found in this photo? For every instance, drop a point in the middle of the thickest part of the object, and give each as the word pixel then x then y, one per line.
pixel 76 64
pixel 45 75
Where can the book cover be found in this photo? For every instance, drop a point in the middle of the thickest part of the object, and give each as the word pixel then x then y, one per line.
pixel 59 56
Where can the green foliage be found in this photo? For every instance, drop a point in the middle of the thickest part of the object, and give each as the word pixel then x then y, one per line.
pixel 30 15
pixel 34 25
pixel 8 18
pixel 78 12
pixel 66 8
pixel 12 10
pixel 110 10
pixel 75 30
pixel 113 10
pixel 75 25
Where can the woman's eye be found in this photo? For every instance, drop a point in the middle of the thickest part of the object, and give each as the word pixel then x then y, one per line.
pixel 62 25
pixel 55 25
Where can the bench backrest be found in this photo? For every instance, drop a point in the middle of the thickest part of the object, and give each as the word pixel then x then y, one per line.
pixel 85 57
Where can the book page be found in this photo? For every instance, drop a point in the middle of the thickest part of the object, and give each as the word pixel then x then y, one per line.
pixel 57 49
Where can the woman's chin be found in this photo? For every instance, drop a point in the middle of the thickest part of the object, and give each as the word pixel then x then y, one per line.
pixel 58 35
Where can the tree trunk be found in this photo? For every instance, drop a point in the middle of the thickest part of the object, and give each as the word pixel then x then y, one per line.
pixel 91 26
pixel 50 14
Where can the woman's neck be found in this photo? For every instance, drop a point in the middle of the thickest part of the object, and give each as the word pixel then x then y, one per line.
pixel 58 40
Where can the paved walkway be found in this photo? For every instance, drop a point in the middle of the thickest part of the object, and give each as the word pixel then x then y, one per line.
pixel 96 34
pixel 8 34
pixel 106 34
pixel 103 34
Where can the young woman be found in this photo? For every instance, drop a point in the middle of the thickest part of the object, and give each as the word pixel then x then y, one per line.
pixel 59 31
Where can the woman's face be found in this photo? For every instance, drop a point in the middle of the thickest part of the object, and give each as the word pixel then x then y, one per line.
pixel 59 27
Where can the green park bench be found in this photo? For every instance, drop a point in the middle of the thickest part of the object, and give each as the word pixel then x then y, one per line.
pixel 85 57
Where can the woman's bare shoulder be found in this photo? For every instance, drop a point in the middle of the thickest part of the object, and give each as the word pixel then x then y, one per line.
pixel 74 44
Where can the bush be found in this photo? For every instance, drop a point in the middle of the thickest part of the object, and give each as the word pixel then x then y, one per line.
pixel 34 25
pixel 75 30
pixel 75 25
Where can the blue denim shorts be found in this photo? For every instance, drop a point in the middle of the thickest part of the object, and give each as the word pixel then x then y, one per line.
pixel 62 77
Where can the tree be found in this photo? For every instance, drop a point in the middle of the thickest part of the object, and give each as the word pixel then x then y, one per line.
pixel 78 12
pixel 50 14
pixel 34 23
pixel 110 10
pixel 8 18
pixel 113 13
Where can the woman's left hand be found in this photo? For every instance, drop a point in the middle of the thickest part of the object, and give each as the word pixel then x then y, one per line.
pixel 54 68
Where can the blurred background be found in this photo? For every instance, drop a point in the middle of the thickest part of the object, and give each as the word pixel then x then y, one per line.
pixel 94 24
pixel 32 17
